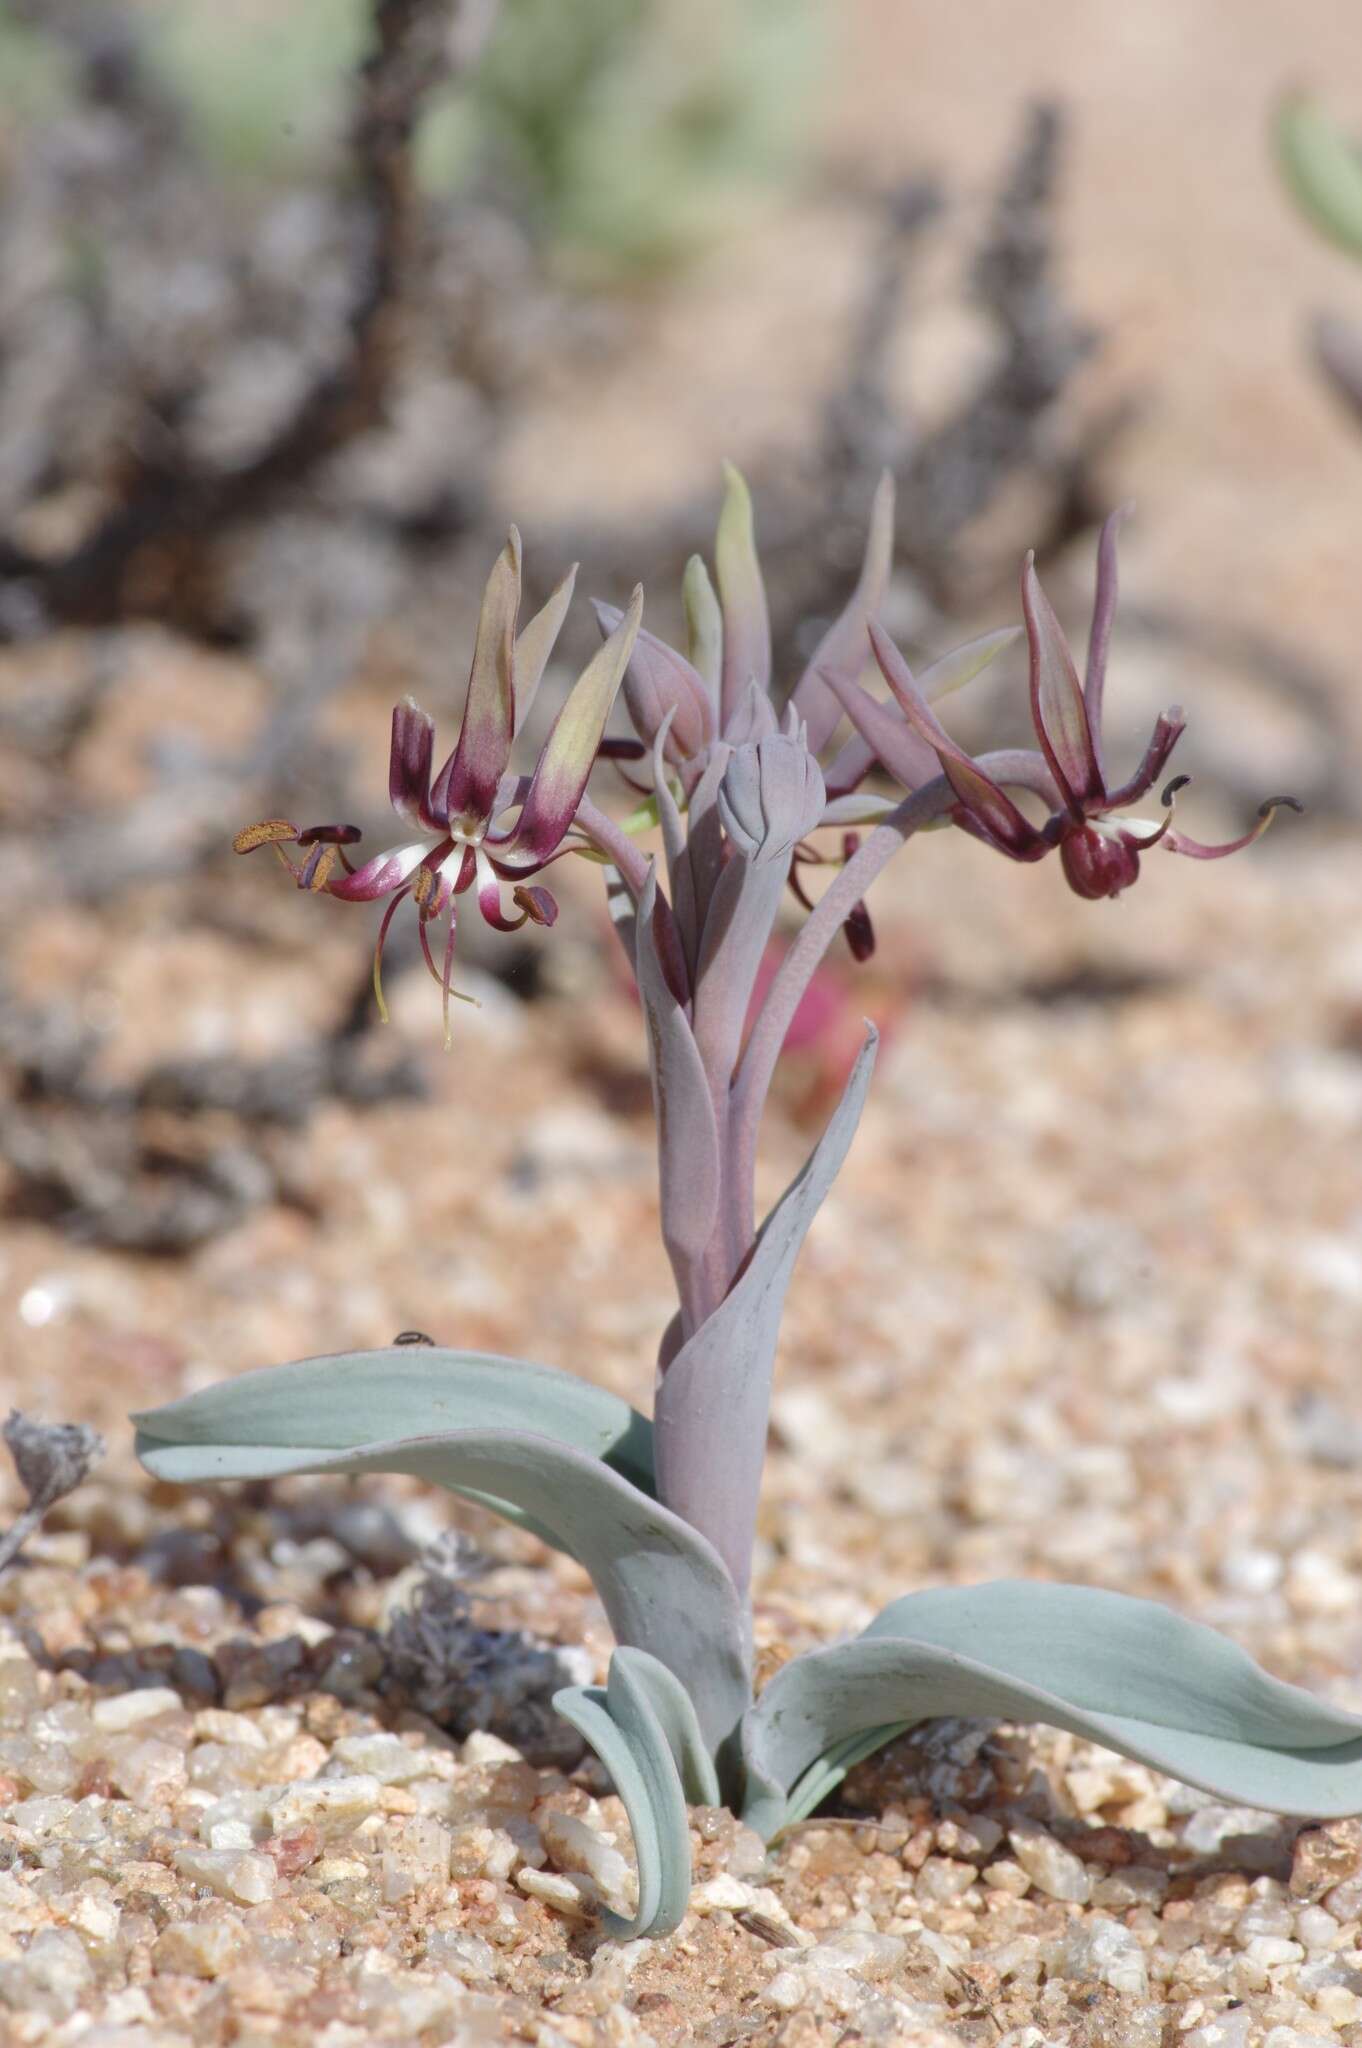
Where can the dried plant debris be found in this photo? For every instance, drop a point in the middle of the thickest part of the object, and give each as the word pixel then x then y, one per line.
pixel 239 374
pixel 52 1459
pixel 464 1676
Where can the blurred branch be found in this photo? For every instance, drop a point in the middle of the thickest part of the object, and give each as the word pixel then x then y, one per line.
pixel 955 472
pixel 171 504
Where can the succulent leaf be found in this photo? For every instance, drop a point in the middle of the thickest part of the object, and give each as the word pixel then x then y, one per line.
pixel 663 1587
pixel 1127 1673
pixel 630 1723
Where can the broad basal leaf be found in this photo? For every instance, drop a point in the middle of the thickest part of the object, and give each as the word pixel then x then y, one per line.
pixel 1126 1673
pixel 664 1588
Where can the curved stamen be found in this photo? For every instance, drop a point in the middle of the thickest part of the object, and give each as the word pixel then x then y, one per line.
pixel 443 977
pixel 1178 842
pixel 378 952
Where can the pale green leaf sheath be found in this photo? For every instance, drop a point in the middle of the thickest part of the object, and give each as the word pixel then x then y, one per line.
pixel 1126 1673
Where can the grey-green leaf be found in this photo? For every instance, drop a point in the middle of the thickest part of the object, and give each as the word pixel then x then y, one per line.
pixel 622 1722
pixel 663 1587
pixel 348 1398
pixel 1127 1673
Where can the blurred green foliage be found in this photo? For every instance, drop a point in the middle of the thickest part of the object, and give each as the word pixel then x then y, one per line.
pixel 632 130
pixel 626 133
pixel 1322 167
pixel 34 73
pixel 263 84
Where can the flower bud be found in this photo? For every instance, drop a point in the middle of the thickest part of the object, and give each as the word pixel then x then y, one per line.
pixel 659 680
pixel 772 794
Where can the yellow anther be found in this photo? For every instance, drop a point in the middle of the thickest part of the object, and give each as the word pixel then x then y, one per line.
pixel 267 833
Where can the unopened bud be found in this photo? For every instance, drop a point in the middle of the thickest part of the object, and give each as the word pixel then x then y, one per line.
pixel 772 794
pixel 658 680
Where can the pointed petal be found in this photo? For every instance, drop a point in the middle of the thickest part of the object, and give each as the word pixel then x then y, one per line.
pixel 844 649
pixel 1103 615
pixel 1057 709
pixel 467 785
pixel 886 737
pixel 1178 842
pixel 381 875
pixel 704 625
pixel 950 672
pixel 536 644
pixel 960 665
pixel 742 595
pixel 990 807
pixel 1167 732
pixel 564 767
pixel 753 717
pixel 489 898
pixel 410 761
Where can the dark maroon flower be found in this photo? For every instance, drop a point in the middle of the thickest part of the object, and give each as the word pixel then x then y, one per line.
pixel 461 811
pixel 1100 854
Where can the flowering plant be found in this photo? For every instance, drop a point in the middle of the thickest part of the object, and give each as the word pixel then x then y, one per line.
pixel 662 1512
